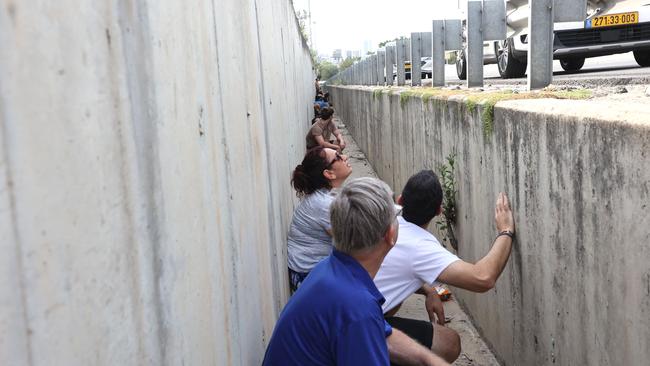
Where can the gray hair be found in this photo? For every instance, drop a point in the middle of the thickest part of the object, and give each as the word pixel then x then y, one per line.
pixel 361 214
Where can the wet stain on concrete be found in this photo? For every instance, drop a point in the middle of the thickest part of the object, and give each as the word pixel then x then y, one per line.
pixel 11 10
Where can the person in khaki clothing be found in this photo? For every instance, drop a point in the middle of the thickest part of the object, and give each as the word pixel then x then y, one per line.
pixel 322 130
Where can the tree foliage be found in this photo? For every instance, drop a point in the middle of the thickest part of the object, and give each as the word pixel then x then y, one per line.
pixel 348 62
pixel 327 69
pixel 383 43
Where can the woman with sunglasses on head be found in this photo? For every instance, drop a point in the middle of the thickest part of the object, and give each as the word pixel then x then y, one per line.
pixel 310 240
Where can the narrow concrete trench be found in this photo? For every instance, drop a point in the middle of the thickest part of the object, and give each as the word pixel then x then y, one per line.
pixel 474 350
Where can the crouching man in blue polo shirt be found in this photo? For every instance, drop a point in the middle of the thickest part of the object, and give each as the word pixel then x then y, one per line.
pixel 335 318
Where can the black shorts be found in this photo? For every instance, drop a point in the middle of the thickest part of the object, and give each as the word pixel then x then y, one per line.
pixel 420 330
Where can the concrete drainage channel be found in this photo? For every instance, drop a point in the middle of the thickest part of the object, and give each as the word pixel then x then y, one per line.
pixel 576 167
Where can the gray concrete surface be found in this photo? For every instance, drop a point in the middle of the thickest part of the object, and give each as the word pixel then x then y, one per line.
pixel 576 290
pixel 145 152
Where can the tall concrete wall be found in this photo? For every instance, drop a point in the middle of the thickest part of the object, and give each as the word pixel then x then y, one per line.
pixel 145 153
pixel 576 290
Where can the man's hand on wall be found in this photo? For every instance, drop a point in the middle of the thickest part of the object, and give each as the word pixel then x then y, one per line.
pixel 503 214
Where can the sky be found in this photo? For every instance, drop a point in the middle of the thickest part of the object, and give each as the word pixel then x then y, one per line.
pixel 347 24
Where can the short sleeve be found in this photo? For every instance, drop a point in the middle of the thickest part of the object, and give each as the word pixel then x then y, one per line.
pixel 316 130
pixel 332 127
pixel 322 212
pixel 388 330
pixel 363 343
pixel 430 259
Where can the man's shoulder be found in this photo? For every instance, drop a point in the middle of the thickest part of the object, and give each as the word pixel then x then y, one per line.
pixel 412 234
pixel 335 283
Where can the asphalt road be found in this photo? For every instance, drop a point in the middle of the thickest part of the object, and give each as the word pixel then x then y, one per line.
pixel 606 70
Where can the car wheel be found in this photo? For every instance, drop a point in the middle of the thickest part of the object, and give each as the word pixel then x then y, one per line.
pixel 461 65
pixel 642 57
pixel 509 66
pixel 572 64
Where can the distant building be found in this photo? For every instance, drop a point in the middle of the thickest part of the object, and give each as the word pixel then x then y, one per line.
pixel 367 47
pixel 355 53
pixel 337 55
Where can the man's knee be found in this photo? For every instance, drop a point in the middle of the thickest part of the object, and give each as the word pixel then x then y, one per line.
pixel 446 343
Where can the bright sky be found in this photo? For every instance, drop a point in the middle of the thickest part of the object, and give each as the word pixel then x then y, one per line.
pixel 347 24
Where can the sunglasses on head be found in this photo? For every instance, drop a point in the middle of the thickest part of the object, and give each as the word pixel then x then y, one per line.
pixel 337 157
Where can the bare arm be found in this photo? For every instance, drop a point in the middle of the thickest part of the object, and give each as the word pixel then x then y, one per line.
pixel 482 276
pixel 339 138
pixel 405 351
pixel 321 141
pixel 432 304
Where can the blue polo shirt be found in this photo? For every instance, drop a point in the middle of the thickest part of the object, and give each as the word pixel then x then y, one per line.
pixel 334 318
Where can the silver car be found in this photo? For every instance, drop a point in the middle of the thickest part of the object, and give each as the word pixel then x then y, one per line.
pixel 610 27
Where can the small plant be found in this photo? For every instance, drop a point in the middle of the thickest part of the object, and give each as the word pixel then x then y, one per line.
pixel 404 97
pixel 487 117
pixel 449 191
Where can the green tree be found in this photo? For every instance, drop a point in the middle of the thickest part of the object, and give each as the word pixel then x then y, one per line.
pixel 383 43
pixel 327 69
pixel 348 62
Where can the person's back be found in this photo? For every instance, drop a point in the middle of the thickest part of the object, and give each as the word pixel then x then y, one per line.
pixel 334 311
pixel 308 241
pixel 418 258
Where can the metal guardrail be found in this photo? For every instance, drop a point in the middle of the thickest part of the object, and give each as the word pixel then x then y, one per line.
pixel 486 21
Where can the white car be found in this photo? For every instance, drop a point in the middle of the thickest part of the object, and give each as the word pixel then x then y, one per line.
pixel 610 27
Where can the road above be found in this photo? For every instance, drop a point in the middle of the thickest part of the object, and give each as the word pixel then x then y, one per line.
pixel 611 70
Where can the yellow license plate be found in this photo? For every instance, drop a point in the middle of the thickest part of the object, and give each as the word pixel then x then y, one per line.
pixel 615 19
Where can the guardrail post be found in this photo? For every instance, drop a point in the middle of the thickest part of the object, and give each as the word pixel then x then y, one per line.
pixel 475 43
pixel 390 61
pixel 494 20
pixel 416 56
pixel 381 66
pixel 368 70
pixel 570 11
pixel 540 44
pixel 365 72
pixel 373 70
pixel 400 50
pixel 453 36
pixel 438 53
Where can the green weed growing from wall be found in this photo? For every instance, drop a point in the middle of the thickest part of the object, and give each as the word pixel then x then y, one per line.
pixel 446 223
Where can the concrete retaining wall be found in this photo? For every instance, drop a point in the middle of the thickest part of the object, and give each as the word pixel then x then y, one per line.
pixel 576 290
pixel 145 154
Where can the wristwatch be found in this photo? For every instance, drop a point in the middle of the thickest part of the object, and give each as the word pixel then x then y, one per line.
pixel 507 233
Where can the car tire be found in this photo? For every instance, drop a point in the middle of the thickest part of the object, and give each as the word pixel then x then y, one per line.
pixel 572 64
pixel 509 66
pixel 642 57
pixel 461 65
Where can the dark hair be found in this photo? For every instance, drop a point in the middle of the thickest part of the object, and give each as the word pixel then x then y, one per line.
pixel 326 113
pixel 326 96
pixel 308 176
pixel 421 197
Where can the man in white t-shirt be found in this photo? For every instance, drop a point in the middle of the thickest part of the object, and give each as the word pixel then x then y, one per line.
pixel 418 260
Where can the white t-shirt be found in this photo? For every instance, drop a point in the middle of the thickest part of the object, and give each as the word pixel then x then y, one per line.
pixel 417 258
pixel 308 241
